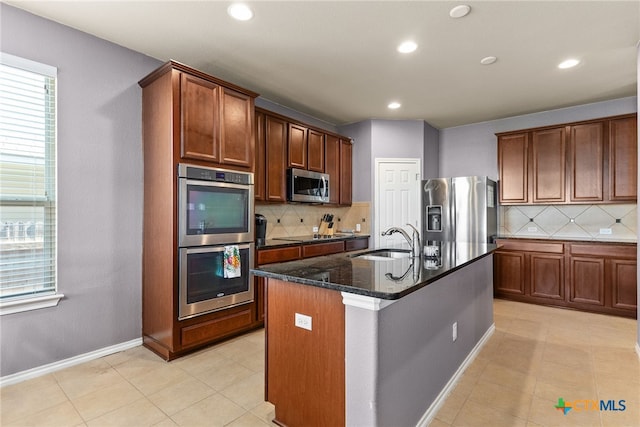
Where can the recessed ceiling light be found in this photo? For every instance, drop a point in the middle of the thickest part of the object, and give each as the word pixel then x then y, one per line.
pixel 240 11
pixel 394 105
pixel 569 63
pixel 460 11
pixel 488 60
pixel 407 46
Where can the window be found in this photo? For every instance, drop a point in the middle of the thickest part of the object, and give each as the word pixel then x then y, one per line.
pixel 27 185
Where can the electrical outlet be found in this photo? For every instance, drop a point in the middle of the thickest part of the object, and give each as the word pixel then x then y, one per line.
pixel 605 231
pixel 454 331
pixel 532 229
pixel 303 321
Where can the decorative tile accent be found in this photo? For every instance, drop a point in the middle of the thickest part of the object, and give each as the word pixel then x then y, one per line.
pixel 581 222
pixel 345 218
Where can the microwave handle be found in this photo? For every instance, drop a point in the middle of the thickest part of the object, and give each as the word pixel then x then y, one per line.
pixel 324 187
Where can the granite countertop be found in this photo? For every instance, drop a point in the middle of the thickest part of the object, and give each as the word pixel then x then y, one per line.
pixel 297 240
pixel 386 279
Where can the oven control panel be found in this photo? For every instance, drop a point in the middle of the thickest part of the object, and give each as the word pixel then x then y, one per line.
pixel 213 174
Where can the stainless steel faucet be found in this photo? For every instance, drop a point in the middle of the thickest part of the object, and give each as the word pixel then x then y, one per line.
pixel 410 239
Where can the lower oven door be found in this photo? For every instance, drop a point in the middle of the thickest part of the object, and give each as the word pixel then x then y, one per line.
pixel 206 286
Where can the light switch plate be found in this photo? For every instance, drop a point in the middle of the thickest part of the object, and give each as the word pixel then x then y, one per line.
pixel 303 321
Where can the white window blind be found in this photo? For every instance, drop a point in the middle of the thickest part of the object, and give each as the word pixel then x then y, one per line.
pixel 27 179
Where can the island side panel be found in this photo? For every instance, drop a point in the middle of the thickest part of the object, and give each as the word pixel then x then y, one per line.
pixel 415 354
pixel 305 372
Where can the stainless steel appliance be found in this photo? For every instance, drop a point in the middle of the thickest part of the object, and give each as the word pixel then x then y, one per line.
pixel 203 285
pixel 215 206
pixel 307 186
pixel 215 222
pixel 461 209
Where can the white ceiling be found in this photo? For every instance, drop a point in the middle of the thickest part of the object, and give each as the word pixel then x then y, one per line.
pixel 337 60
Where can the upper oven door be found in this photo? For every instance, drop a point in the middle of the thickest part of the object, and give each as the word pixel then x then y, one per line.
pixel 213 213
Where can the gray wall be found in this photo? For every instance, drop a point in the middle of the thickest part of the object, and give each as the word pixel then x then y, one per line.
pixel 400 358
pixel 431 152
pixel 99 195
pixel 362 164
pixel 472 150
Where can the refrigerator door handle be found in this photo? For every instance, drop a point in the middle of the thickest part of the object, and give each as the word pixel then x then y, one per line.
pixel 452 207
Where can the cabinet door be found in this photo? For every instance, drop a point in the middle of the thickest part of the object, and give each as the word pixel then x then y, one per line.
pixel 260 175
pixel 345 172
pixel 587 162
pixel 623 159
pixel 587 281
pixel 315 151
pixel 297 146
pixel 275 155
pixel 200 119
pixel 332 167
pixel 549 160
pixel 236 133
pixel 624 284
pixel 546 276
pixel 508 273
pixel 513 168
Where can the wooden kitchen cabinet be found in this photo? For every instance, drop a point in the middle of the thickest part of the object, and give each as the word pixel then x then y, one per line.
pixel 586 159
pixel 187 117
pixel 271 149
pixel 529 271
pixel 216 122
pixel 585 162
pixel 513 165
pixel 346 165
pixel 589 276
pixel 297 146
pixel 549 161
pixel 332 167
pixel 623 159
pixel 315 151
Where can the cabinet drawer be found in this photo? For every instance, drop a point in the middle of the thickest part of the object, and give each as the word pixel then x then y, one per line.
pixel 356 244
pixel 318 249
pixel 268 256
pixel 604 250
pixel 519 245
pixel 212 329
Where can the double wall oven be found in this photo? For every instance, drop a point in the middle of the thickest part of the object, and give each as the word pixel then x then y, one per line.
pixel 215 239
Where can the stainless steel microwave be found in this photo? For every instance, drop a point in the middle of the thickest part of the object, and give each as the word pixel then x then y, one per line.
pixel 307 186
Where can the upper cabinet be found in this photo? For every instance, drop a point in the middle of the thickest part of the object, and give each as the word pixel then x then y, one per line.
pixel 283 143
pixel 315 151
pixel 623 159
pixel 271 159
pixel 212 121
pixel 297 146
pixel 586 162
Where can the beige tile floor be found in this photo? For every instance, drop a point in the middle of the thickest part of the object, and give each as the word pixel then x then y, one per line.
pixel 536 355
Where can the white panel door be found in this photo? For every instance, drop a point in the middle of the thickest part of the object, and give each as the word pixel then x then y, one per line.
pixel 397 198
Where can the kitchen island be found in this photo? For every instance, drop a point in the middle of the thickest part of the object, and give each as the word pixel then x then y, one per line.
pixel 368 340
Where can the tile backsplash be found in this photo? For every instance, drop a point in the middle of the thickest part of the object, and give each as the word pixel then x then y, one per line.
pixel 581 222
pixel 286 220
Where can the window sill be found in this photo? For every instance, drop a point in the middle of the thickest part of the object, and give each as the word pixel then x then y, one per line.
pixel 28 304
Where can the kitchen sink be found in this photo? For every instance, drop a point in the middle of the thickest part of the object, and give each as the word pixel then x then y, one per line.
pixel 383 254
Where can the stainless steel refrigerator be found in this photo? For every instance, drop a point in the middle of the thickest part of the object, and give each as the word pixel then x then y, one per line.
pixel 461 209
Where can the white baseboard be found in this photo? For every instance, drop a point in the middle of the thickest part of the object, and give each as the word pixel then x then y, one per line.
pixel 448 388
pixel 72 361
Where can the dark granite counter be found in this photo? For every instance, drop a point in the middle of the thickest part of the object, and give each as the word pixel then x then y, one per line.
pixel 297 240
pixel 386 279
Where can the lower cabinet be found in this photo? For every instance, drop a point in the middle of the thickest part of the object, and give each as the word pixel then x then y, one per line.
pixel 598 277
pixel 299 251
